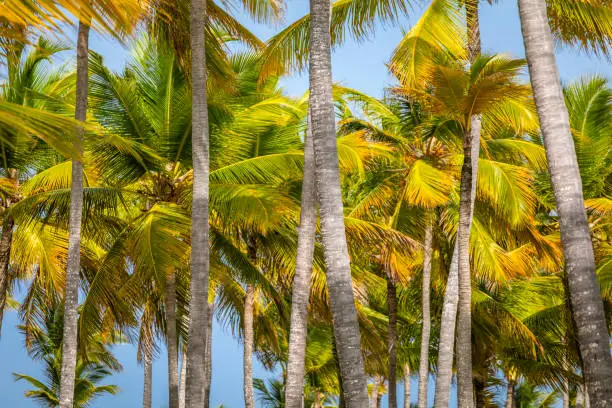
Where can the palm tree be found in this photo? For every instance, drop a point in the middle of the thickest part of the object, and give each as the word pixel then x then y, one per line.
pixel 587 307
pixel 346 329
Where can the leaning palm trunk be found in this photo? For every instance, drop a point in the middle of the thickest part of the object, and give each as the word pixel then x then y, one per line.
pixel 183 378
pixel 339 282
pixel 249 396
pixel 148 379
pixel 301 282
pixel 196 359
pixel 73 267
pixel 406 386
pixel 585 296
pixel 392 341
pixel 172 342
pixel 424 358
pixel 5 258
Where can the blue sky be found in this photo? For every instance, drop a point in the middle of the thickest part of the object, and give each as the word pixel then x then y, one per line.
pixel 361 66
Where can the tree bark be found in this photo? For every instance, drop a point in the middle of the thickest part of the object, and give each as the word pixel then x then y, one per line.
pixel 425 334
pixel 208 368
pixel 249 396
pixel 585 295
pixel 196 359
pixel 148 380
pixel 406 386
pixel 6 240
pixel 73 266
pixel 183 378
pixel 378 381
pixel 392 341
pixel 172 342
pixel 294 385
pixel 339 281
pixel 510 394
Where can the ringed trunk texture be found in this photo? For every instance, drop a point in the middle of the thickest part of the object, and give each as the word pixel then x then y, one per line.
pixel 425 334
pixel 294 385
pixel 392 341
pixel 249 396
pixel 5 258
pixel 406 386
pixel 510 394
pixel 148 380
pixel 172 343
pixel 73 266
pixel 183 378
pixel 339 281
pixel 585 295
pixel 196 359
pixel 208 368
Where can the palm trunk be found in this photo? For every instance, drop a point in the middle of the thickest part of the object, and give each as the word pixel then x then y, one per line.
pixel 585 295
pixel 406 386
pixel 148 380
pixel 294 385
pixel 249 396
pixel 172 342
pixel 392 341
pixel 339 282
pixel 196 359
pixel 183 378
pixel 378 381
pixel 424 358
pixel 208 368
pixel 469 174
pixel 341 402
pixel 5 258
pixel 73 266
pixel 510 394
pixel 453 287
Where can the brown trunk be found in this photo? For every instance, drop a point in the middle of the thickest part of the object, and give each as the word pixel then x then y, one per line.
pixel 425 335
pixel 172 342
pixel 392 341
pixel 5 258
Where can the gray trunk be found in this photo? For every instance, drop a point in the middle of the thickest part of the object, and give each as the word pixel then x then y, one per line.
pixel 196 358
pixel 208 368
pixel 426 288
pixel 392 341
pixel 5 258
pixel 510 394
pixel 406 386
pixel 249 396
pixel 294 385
pixel 73 266
pixel 148 380
pixel 585 295
pixel 172 342
pixel 339 282
pixel 183 378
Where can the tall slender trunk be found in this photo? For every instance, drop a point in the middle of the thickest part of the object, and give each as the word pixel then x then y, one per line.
pixel 73 266
pixel 339 281
pixel 183 378
pixel 172 342
pixel 294 385
pixel 426 288
pixel 208 368
pixel 585 295
pixel 480 388
pixel 376 384
pixel 6 240
pixel 318 400
pixel 249 396
pixel 510 394
pixel 341 402
pixel 469 174
pixel 196 359
pixel 392 341
pixel 406 386
pixel 148 379
pixel 452 295
pixel 379 400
